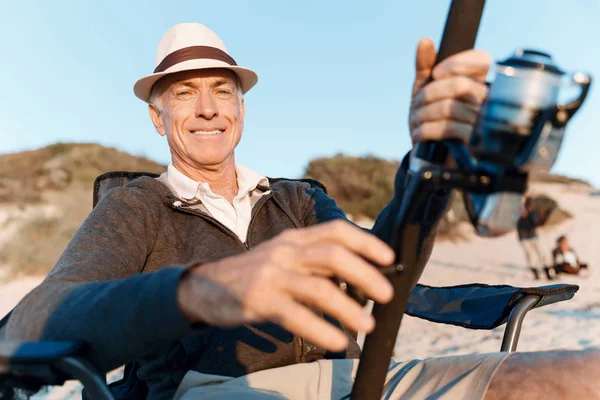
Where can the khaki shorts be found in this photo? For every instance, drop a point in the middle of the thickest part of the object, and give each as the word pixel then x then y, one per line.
pixel 456 377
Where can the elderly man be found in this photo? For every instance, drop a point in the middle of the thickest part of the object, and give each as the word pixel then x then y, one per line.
pixel 216 280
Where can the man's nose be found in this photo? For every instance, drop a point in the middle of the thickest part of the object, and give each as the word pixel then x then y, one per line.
pixel 206 107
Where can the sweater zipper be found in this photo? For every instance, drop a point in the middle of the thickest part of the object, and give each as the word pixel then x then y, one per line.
pixel 261 202
pixel 303 352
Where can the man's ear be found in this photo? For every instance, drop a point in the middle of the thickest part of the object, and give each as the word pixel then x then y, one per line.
pixel 157 120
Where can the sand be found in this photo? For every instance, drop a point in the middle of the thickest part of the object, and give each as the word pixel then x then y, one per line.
pixel 574 324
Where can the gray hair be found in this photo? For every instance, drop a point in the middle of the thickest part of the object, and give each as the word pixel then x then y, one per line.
pixel 156 99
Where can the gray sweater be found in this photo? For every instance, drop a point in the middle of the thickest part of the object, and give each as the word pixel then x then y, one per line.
pixel 115 285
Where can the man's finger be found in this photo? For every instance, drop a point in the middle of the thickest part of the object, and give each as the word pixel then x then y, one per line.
pixel 455 110
pixel 336 260
pixel 472 63
pixel 303 322
pixel 326 296
pixel 458 87
pixel 424 62
pixel 353 238
pixel 442 130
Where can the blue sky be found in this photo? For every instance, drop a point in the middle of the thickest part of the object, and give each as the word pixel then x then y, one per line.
pixel 333 76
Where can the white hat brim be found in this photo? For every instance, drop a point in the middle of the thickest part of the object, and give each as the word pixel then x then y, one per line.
pixel 143 86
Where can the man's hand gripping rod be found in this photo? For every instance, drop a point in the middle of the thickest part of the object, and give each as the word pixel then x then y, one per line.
pixel 459 34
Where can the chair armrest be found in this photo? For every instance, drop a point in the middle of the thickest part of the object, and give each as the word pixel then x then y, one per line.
pixel 478 306
pixel 12 352
pixel 30 365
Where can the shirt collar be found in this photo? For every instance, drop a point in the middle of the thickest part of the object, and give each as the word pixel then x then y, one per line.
pixel 187 188
pixel 249 180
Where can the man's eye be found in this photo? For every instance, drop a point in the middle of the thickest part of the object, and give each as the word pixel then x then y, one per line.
pixel 224 92
pixel 184 93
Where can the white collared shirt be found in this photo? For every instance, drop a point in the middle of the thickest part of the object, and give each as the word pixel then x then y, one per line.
pixel 234 216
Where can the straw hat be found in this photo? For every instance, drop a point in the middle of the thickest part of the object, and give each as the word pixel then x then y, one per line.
pixel 191 46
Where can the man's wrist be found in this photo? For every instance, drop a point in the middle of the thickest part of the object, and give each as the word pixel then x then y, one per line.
pixel 187 293
pixel 185 290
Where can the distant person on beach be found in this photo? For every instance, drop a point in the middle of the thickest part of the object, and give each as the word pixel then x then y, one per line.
pixel 565 259
pixel 526 229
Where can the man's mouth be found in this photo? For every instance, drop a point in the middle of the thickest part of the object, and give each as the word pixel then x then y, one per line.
pixel 206 132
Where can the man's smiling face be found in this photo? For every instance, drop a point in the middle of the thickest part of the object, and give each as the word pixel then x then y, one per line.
pixel 202 114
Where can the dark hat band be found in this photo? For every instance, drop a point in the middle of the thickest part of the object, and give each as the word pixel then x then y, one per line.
pixel 194 53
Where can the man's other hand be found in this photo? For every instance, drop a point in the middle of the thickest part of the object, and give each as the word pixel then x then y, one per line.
pixel 448 106
pixel 278 280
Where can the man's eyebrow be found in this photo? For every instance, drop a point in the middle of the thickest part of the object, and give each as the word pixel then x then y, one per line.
pixel 222 81
pixel 189 84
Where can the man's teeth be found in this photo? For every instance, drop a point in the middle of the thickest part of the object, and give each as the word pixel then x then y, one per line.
pixel 215 132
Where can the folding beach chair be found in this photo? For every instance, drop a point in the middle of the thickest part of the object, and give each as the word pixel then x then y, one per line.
pixel 26 367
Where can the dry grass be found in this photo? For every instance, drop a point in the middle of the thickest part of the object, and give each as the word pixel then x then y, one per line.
pixel 26 175
pixel 361 186
pixel 38 243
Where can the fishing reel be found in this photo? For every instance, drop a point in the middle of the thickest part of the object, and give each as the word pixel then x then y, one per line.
pixel 520 130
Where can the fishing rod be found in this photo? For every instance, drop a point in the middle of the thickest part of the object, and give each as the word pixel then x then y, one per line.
pixel 459 34
pixel 519 130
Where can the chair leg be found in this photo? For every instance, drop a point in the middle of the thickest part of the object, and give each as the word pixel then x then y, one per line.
pixel 515 321
pixel 93 381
